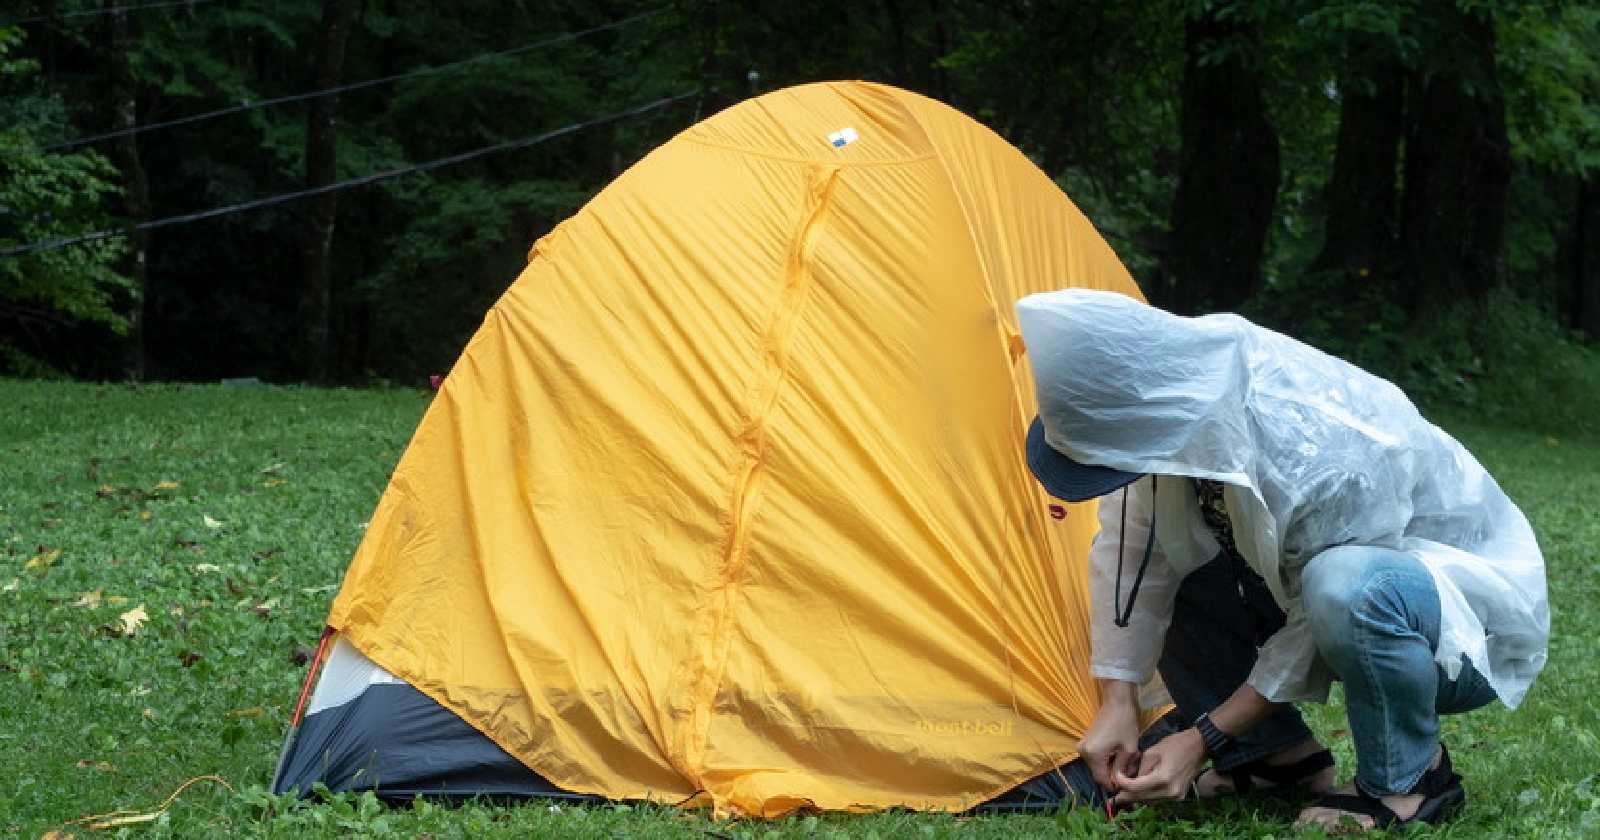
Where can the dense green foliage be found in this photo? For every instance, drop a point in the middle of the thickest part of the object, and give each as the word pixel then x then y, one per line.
pixel 1369 176
pixel 45 196
pixel 228 515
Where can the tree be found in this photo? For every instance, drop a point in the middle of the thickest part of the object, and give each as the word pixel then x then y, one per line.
pixel 1585 277
pixel 1227 167
pixel 1457 169
pixel 47 196
pixel 1423 163
pixel 1362 193
pixel 322 143
pixel 121 101
pixel 1552 79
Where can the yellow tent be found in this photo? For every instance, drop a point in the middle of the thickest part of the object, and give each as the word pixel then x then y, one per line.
pixel 726 500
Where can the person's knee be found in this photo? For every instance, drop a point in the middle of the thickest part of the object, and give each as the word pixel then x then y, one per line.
pixel 1337 584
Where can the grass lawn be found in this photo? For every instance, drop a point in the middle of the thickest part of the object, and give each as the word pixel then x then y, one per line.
pixel 223 518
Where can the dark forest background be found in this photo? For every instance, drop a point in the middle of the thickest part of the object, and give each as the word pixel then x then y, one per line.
pixel 1413 185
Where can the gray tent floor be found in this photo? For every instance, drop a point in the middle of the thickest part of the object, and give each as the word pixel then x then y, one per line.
pixel 400 743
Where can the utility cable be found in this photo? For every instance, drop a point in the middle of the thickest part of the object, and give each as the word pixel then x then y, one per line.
pixel 113 10
pixel 256 204
pixel 314 94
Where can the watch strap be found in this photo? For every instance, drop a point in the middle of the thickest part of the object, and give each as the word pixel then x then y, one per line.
pixel 1216 741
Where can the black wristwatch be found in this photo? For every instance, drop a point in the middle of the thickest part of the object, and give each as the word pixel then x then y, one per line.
pixel 1215 740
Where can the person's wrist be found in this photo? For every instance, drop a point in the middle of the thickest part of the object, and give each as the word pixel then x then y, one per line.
pixel 1194 744
pixel 1119 693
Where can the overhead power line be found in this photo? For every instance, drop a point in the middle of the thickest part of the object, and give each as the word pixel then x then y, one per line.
pixel 112 10
pixel 314 94
pixel 256 204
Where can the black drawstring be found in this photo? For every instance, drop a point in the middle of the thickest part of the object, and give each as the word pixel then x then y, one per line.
pixel 1119 616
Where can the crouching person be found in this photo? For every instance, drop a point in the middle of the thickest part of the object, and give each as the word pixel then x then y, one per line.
pixel 1274 519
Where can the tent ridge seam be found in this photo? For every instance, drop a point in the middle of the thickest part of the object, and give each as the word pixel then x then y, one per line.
pixel 745 493
pixel 842 164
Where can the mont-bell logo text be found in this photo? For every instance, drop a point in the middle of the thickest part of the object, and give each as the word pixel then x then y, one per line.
pixel 964 727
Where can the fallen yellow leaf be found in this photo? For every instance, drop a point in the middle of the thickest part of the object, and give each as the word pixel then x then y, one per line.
pixel 253 711
pixel 57 835
pixel 105 490
pixel 133 619
pixel 210 523
pixel 207 567
pixel 43 560
pixel 272 482
pixel 166 485
pixel 90 599
pixel 145 515
pixel 116 600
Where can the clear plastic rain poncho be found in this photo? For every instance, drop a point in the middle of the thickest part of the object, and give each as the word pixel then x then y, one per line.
pixel 1319 454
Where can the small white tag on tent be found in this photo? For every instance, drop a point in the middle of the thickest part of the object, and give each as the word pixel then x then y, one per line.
pixel 843 137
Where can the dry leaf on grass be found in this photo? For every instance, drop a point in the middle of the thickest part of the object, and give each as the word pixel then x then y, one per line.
pixel 90 599
pixel 210 523
pixel 133 619
pixel 43 560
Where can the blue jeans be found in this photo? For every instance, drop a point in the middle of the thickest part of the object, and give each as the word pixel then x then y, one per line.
pixel 1375 616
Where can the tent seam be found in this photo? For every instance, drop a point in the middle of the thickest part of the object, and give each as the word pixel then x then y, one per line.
pixel 746 478
pixel 842 164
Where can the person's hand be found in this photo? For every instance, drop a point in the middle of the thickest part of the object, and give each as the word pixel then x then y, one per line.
pixel 1166 770
pixel 1112 742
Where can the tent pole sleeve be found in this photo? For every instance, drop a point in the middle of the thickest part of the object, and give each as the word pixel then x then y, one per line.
pixel 311 675
pixel 299 707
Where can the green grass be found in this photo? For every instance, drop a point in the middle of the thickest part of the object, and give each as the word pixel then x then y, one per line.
pixel 92 721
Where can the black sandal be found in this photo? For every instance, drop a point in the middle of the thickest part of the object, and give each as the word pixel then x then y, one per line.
pixel 1442 793
pixel 1286 779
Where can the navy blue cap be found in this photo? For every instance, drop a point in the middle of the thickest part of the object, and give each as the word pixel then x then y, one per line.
pixel 1067 479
